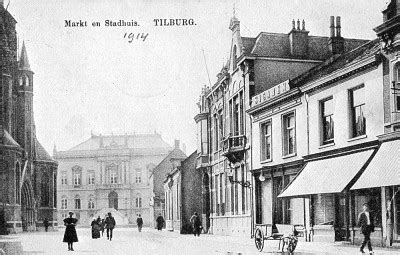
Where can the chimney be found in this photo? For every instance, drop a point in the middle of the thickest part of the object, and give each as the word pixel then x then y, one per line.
pixel 176 144
pixel 332 27
pixel 298 38
pixel 336 41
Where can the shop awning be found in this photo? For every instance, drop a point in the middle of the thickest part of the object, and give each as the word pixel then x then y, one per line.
pixel 384 169
pixel 331 175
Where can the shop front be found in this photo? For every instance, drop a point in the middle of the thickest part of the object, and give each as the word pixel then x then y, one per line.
pixel 382 178
pixel 326 181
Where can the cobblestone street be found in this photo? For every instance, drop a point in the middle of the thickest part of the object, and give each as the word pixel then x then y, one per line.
pixel 129 241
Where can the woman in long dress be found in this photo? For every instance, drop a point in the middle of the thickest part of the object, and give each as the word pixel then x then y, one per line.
pixel 95 229
pixel 70 235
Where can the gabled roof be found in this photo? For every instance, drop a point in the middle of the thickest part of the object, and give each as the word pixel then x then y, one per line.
pixel 277 45
pixel 367 50
pixel 140 141
pixel 176 153
pixel 41 153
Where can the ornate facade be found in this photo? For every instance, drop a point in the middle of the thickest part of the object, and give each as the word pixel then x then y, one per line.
pixel 27 172
pixel 109 174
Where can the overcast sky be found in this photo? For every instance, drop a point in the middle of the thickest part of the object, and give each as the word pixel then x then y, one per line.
pixel 92 79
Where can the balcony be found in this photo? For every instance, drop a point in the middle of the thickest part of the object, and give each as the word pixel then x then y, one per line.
pixel 202 161
pixel 234 148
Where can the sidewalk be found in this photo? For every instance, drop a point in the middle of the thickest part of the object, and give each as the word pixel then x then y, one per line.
pixel 271 246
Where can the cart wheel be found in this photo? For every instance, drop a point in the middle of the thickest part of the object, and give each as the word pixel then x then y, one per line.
pixel 259 239
pixel 292 244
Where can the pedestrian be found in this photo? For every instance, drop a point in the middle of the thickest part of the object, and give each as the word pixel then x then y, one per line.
pixel 366 223
pixel 102 225
pixel 95 229
pixel 70 235
pixel 46 224
pixel 160 222
pixel 196 224
pixel 139 222
pixel 110 225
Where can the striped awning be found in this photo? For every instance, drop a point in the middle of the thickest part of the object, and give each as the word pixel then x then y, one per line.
pixel 384 169
pixel 330 175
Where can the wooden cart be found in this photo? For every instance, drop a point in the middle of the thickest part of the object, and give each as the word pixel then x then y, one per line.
pixel 287 235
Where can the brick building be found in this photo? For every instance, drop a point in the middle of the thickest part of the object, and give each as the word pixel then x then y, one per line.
pixel 182 195
pixel 157 177
pixel 109 173
pixel 27 172
pixel 225 130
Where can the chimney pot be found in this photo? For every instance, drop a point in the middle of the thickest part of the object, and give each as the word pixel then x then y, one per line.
pixel 298 24
pixel 176 144
pixel 332 27
pixel 293 24
pixel 338 27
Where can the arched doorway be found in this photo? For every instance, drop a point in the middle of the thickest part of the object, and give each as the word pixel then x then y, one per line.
pixel 206 200
pixel 113 200
pixel 27 207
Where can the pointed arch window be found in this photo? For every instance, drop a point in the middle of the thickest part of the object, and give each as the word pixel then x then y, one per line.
pixel 45 190
pixel 17 183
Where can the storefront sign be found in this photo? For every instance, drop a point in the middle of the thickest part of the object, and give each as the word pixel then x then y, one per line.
pixel 271 93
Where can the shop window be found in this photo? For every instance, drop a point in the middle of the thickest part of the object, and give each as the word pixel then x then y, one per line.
pixel 357 104
pixel 373 198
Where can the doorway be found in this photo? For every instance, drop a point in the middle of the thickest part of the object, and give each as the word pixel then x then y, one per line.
pixel 113 200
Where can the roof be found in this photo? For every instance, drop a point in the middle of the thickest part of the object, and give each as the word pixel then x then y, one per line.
pixel 137 141
pixel 41 153
pixel 383 169
pixel 23 60
pixel 364 51
pixel 176 153
pixel 331 175
pixel 6 139
pixel 277 45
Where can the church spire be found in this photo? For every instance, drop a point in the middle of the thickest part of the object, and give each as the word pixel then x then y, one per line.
pixel 23 61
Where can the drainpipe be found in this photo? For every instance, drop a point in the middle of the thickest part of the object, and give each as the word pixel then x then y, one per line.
pixel 309 232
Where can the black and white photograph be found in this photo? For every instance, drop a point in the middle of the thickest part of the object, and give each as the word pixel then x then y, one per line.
pixel 199 127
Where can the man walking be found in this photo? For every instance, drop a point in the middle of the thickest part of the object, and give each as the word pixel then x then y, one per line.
pixel 110 224
pixel 139 222
pixel 196 223
pixel 366 223
pixel 160 222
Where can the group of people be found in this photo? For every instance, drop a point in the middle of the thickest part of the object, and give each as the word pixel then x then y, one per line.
pixel 98 225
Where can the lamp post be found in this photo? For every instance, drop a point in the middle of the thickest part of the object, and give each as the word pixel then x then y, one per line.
pixel 245 184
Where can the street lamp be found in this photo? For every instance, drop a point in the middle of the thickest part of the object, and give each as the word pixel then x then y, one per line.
pixel 245 184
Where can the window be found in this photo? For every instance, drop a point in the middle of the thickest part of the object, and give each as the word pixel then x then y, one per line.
pixel 77 179
pixel 396 90
pixel 45 190
pixel 112 171
pixel 327 121
pixel 236 114
pixel 64 203
pixel 138 175
pixel 77 176
pixel 357 102
pixel 64 215
pixel 77 203
pixel 266 142
pixel 91 203
pixel 91 178
pixel 113 176
pixel 138 201
pixel 216 133
pixel 17 183
pixel 64 178
pixel 289 134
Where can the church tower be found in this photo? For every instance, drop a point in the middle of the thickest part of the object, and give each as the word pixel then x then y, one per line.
pixel 25 120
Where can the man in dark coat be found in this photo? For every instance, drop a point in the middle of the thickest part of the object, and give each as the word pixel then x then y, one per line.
pixel 110 225
pixel 70 235
pixel 160 222
pixel 139 222
pixel 196 224
pixel 46 224
pixel 366 223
